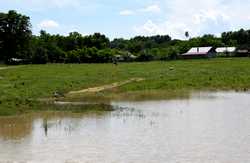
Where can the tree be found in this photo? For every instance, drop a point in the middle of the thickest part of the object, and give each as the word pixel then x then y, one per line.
pixel 15 33
pixel 145 55
pixel 72 57
pixel 40 55
pixel 99 41
pixel 187 34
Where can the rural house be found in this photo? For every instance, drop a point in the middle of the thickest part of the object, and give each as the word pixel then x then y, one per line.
pixel 199 52
pixel 225 51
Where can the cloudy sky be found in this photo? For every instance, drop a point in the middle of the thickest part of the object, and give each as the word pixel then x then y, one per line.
pixel 118 18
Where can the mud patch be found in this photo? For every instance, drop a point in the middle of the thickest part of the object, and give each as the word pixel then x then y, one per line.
pixel 106 87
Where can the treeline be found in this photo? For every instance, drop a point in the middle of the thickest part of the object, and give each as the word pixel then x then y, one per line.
pixel 17 44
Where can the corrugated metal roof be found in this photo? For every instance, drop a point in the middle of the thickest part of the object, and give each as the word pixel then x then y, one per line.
pixel 198 51
pixel 226 49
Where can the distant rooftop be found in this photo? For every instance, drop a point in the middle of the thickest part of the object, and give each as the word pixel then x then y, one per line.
pixel 198 51
pixel 226 49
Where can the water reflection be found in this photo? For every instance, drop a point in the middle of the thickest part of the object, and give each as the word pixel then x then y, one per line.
pixel 45 126
pixel 208 128
pixel 15 128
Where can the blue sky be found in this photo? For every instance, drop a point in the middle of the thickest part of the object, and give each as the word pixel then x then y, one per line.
pixel 134 17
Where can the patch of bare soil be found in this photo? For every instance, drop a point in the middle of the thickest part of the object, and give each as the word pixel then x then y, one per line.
pixel 106 87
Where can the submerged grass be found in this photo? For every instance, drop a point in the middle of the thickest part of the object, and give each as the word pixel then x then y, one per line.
pixel 20 87
pixel 142 95
pixel 89 108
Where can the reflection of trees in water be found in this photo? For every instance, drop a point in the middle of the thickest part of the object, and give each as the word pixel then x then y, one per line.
pixel 66 122
pixel 59 125
pixel 45 126
pixel 129 112
pixel 15 128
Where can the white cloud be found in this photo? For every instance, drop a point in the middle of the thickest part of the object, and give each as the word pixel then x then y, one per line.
pixel 45 24
pixel 197 17
pixel 152 28
pixel 152 8
pixel 149 27
pixel 153 16
pixel 127 12
pixel 148 9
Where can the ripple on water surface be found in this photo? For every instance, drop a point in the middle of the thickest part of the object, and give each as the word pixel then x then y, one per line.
pixel 207 128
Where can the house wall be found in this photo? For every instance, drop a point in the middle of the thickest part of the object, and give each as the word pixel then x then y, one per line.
pixel 211 54
pixel 194 56
pixel 228 54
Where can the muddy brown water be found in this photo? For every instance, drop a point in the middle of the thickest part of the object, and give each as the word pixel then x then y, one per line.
pixel 206 128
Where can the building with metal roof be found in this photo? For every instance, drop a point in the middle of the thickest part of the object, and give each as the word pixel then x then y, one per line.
pixel 225 50
pixel 199 52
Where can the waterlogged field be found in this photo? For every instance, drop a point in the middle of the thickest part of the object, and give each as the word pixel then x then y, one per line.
pixel 21 86
pixel 133 112
pixel 204 128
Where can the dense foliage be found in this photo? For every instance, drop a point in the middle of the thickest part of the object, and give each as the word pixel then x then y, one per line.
pixel 18 43
pixel 15 34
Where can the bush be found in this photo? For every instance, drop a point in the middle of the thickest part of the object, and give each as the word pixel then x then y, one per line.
pixel 145 55
pixel 55 54
pixel 87 55
pixel 105 55
pixel 72 57
pixel 40 55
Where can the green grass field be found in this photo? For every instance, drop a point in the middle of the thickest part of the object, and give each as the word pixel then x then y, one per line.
pixel 21 86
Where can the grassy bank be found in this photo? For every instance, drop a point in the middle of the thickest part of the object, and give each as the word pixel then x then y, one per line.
pixel 21 86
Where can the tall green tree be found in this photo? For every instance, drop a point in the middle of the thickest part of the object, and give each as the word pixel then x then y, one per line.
pixel 15 34
pixel 187 34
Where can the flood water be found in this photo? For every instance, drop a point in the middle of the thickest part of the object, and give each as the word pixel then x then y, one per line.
pixel 205 128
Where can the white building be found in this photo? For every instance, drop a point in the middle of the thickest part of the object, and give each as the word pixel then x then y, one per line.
pixel 226 50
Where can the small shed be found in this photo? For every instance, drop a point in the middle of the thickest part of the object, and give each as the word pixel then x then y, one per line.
pixel 225 51
pixel 199 52
pixel 119 58
pixel 18 61
pixel 132 56
pixel 129 57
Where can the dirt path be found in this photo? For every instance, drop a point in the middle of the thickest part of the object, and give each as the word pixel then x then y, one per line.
pixel 106 87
